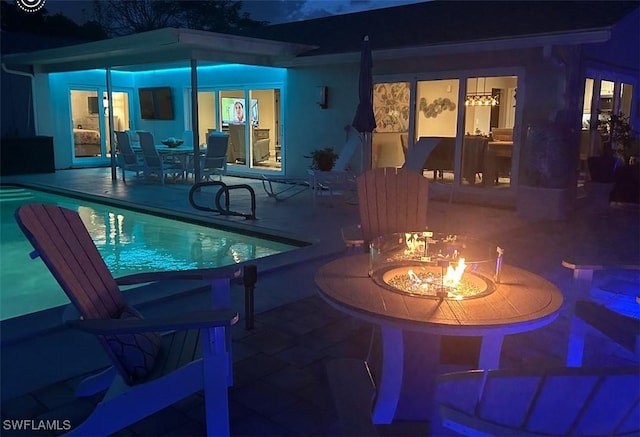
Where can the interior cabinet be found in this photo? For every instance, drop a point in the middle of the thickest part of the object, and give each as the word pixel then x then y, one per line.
pixel 260 134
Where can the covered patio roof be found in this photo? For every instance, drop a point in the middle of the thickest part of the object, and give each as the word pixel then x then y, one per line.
pixel 164 48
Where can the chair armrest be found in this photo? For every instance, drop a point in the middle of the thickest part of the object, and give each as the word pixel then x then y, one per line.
pixel 575 266
pixel 191 320
pixel 226 272
pixel 622 329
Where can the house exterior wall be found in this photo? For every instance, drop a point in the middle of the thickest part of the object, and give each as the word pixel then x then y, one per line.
pixel 308 126
pixel 620 58
pixel 550 86
pixel 53 92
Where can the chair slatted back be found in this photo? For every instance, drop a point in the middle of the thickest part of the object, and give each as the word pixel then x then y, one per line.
pixel 216 156
pixel 64 244
pixel 124 148
pixel 555 401
pixel 391 200
pixel 613 407
pixel 348 150
pixel 567 402
pixel 150 155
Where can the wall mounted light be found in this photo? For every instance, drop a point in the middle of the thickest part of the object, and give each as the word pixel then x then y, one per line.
pixel 321 96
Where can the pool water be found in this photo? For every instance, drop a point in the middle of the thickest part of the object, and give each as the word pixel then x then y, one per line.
pixel 129 242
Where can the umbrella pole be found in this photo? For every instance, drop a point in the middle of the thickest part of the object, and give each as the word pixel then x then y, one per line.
pixel 365 156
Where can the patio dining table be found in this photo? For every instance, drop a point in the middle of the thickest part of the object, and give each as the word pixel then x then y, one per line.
pixel 180 154
pixel 412 327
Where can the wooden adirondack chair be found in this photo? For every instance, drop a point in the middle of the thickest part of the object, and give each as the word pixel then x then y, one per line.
pixel 391 200
pixel 150 371
pixel 553 402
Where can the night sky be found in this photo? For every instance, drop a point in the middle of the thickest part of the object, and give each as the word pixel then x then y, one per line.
pixel 274 11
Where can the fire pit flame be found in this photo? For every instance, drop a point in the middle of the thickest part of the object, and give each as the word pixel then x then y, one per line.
pixel 454 274
pixel 439 266
pixel 449 280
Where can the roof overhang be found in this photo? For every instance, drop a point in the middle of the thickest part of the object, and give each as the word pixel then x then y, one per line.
pixel 574 38
pixel 170 48
pixel 164 46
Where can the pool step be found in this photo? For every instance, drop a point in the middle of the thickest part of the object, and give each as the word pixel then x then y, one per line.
pixel 14 194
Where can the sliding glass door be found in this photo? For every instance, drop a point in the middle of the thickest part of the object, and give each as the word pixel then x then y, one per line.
pixel 391 109
pixel 86 113
pixel 489 119
pixel 91 123
pixel 605 94
pixel 251 117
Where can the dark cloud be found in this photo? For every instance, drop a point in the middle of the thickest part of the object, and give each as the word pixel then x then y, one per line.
pixel 280 11
pixel 274 11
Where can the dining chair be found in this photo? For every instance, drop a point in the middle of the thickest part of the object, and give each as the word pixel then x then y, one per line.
pixel 153 162
pixel 127 158
pixel 214 162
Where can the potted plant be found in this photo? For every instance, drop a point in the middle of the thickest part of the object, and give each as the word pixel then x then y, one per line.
pixel 617 145
pixel 605 170
pixel 323 159
pixel 623 142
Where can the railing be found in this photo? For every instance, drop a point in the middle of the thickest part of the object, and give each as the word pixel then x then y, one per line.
pixel 223 191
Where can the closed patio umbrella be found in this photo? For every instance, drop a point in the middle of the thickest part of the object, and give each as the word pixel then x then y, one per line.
pixel 364 120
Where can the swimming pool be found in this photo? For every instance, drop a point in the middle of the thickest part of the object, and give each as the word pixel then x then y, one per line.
pixel 129 242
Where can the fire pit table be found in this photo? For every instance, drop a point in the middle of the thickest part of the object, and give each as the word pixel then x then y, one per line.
pixel 415 309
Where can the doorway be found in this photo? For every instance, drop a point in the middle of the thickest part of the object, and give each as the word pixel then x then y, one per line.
pixel 90 123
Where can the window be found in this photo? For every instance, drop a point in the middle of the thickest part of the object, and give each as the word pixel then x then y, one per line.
pixel 489 119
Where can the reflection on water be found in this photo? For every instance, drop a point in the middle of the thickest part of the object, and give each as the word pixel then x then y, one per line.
pixel 128 241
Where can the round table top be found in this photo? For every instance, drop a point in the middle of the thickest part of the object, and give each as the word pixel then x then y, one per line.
pixel 521 302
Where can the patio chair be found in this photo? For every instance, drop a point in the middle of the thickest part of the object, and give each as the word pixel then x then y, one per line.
pixel 615 316
pixel 551 402
pixel 127 158
pixel 214 162
pixel 389 200
pixel 153 162
pixel 150 370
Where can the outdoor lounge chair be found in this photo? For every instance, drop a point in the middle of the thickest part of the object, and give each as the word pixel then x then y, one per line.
pixel 127 159
pixel 389 200
pixel 291 186
pixel 150 370
pixel 418 155
pixel 340 178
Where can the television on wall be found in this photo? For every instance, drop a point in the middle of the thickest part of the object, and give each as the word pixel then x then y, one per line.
pixel 156 103
pixel 234 112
